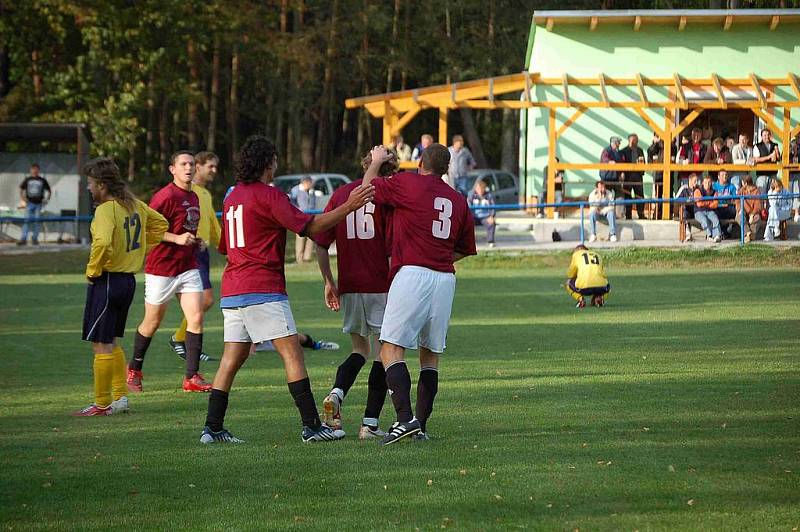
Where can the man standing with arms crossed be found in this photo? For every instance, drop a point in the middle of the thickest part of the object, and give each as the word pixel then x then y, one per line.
pixel 363 272
pixel 432 228
pixel 208 231
pixel 171 270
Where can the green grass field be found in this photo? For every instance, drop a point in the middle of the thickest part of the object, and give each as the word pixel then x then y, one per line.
pixel 675 407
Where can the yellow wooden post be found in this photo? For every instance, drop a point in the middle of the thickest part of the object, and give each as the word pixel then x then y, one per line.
pixel 551 162
pixel 666 183
pixel 389 117
pixel 443 126
pixel 787 143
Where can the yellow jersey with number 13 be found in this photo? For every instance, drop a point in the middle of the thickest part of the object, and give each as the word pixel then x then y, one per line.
pixel 121 239
pixel 587 269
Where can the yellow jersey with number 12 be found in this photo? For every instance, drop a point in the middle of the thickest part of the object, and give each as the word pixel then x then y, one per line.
pixel 121 239
pixel 587 269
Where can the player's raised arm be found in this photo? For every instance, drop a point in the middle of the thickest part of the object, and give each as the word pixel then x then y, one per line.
pixel 360 196
pixel 379 156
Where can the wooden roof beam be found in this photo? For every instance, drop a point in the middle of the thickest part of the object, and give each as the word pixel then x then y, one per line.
pixel 757 88
pixel 527 94
pixel 637 23
pixel 774 21
pixel 603 92
pixel 550 23
pixel 565 86
pixel 793 81
pixel 720 95
pixel 728 23
pixel 593 23
pixel 679 90
pixel 682 23
pixel 642 93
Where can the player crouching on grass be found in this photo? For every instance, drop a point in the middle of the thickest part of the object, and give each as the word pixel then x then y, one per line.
pixel 123 229
pixel 362 249
pixel 587 277
pixel 432 227
pixel 171 271
pixel 254 303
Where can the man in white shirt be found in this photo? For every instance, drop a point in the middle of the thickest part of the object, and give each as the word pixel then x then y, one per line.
pixel 741 153
pixel 601 203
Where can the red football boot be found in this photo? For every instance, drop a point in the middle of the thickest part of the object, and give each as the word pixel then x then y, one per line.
pixel 196 384
pixel 94 410
pixel 135 380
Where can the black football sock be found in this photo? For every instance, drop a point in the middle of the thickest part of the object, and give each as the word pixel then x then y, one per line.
pixel 309 343
pixel 399 383
pixel 217 406
pixel 427 386
pixel 348 371
pixel 194 346
pixel 376 391
pixel 140 345
pixel 304 400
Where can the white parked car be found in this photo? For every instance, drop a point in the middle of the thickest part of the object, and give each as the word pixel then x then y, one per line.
pixel 324 185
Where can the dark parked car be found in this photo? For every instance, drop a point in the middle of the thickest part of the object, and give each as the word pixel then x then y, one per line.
pixel 503 185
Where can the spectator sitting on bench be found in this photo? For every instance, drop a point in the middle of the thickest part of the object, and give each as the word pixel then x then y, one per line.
pixel 687 209
pixel 481 197
pixel 704 210
pixel 780 209
pixel 601 202
pixel 725 210
pixel 752 208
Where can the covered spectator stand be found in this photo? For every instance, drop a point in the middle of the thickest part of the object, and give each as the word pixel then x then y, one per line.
pixel 591 75
pixel 61 149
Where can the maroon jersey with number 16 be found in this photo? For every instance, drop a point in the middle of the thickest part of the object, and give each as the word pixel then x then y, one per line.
pixel 430 221
pixel 181 208
pixel 361 245
pixel 255 217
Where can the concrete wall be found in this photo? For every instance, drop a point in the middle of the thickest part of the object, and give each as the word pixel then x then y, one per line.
pixel 655 51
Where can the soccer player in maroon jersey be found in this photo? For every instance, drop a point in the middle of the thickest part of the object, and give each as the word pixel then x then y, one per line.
pixel 363 272
pixel 432 227
pixel 171 270
pixel 254 303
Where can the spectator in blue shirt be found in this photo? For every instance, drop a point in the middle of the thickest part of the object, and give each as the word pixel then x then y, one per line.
pixel 726 210
pixel 303 197
pixel 481 197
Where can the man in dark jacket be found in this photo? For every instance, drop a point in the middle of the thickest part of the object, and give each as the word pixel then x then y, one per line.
pixel 632 153
pixel 611 154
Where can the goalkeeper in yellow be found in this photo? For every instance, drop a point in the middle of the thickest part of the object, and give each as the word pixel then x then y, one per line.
pixel 586 277
pixel 123 230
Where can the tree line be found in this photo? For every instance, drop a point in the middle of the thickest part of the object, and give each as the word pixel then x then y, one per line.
pixel 153 76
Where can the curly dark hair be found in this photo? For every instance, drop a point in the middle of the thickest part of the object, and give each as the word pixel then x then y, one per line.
pixel 255 156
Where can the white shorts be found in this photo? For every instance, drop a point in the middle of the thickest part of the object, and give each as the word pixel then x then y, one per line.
pixel 418 309
pixel 258 323
pixel 363 313
pixel 159 289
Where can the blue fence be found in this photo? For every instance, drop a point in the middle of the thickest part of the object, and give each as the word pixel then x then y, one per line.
pixel 582 205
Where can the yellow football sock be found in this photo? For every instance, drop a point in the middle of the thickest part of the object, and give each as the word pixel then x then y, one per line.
pixel 103 369
pixel 180 332
pixel 575 295
pixel 119 379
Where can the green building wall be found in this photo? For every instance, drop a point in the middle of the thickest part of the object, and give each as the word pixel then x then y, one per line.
pixel 656 51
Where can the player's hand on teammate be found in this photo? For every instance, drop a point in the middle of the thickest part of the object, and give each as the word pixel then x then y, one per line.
pixel 332 297
pixel 379 155
pixel 360 196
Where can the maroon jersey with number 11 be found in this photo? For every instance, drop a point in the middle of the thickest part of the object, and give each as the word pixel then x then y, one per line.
pixel 430 221
pixel 255 217
pixel 361 245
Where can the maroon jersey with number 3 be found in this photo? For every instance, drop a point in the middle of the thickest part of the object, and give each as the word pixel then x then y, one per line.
pixel 255 217
pixel 361 245
pixel 430 222
pixel 181 208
